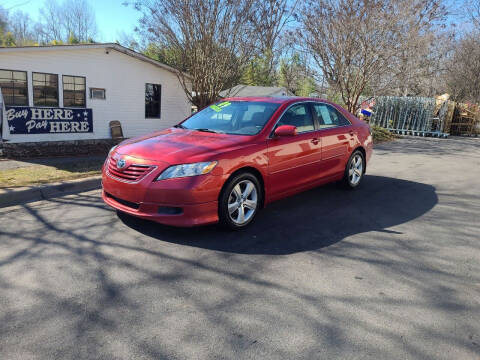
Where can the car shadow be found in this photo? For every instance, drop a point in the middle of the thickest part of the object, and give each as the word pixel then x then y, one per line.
pixel 308 221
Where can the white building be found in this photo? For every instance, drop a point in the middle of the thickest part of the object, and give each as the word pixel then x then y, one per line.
pixel 72 92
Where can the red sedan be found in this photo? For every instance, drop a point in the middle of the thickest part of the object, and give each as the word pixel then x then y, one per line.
pixel 229 160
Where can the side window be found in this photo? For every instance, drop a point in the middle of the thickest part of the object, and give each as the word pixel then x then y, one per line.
pixel 329 117
pixel 298 116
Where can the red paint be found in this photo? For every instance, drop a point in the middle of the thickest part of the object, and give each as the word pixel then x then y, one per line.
pixel 287 164
pixel 286 130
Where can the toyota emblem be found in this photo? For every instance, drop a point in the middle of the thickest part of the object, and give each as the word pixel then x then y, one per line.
pixel 121 163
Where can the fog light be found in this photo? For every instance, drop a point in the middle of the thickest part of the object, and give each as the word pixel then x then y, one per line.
pixel 169 210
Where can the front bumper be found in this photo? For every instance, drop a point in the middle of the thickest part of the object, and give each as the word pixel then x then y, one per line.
pixel 196 196
pixel 368 146
pixel 191 215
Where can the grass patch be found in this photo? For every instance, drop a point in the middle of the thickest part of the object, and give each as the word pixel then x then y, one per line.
pixel 380 134
pixel 42 174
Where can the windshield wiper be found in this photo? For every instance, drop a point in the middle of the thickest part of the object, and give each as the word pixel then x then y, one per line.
pixel 179 126
pixel 208 130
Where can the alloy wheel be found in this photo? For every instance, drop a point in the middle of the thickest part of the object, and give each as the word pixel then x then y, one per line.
pixel 355 170
pixel 242 202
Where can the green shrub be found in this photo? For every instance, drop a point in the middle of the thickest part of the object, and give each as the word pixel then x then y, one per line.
pixel 381 134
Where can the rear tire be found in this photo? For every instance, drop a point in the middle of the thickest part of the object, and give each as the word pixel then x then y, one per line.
pixel 240 201
pixel 354 170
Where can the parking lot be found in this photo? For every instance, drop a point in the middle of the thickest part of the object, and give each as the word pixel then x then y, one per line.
pixel 389 271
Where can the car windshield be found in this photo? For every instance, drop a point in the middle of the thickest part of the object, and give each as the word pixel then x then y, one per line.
pixel 232 117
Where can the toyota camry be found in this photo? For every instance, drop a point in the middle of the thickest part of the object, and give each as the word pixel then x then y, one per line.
pixel 227 161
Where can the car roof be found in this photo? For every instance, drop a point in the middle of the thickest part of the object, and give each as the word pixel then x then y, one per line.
pixel 275 99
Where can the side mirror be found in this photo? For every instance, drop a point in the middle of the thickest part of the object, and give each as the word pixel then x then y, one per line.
pixel 285 130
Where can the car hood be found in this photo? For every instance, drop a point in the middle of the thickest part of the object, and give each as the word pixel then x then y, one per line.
pixel 177 146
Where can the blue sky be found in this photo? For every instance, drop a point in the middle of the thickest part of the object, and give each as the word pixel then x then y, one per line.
pixel 112 17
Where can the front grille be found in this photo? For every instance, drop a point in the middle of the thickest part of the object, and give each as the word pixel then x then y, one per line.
pixel 132 173
pixel 129 204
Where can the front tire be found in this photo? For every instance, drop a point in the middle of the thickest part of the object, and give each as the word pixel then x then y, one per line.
pixel 240 201
pixel 354 170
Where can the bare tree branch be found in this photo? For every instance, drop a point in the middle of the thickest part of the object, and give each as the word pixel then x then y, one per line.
pixel 212 40
pixel 355 42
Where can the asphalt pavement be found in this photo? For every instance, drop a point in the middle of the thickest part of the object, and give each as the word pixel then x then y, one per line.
pixel 389 271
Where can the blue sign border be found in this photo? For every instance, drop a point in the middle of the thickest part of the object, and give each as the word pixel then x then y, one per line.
pixel 44 120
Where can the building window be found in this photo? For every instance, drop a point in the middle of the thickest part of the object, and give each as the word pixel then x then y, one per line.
pixel 96 93
pixel 152 100
pixel 45 89
pixel 74 91
pixel 13 85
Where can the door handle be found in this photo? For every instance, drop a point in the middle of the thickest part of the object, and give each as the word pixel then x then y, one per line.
pixel 315 141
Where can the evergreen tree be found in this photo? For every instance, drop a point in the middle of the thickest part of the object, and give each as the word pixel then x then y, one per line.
pixel 258 71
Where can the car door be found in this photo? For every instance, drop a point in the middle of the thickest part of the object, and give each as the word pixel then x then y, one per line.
pixel 336 134
pixel 294 160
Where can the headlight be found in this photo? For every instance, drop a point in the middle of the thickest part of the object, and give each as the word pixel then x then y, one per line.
pixel 112 150
pixel 185 170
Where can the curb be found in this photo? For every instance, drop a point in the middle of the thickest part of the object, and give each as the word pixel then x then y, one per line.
pixel 22 195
